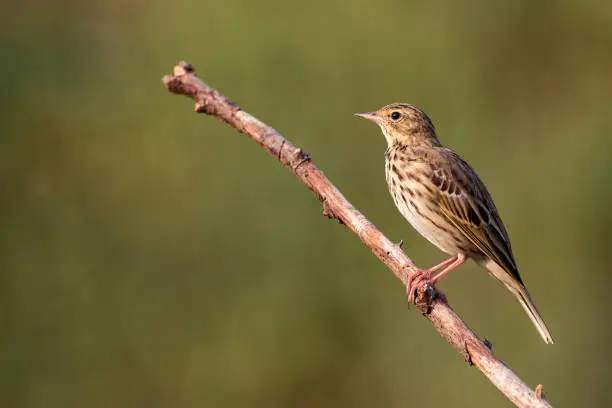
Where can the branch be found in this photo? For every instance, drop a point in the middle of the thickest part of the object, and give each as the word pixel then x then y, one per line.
pixel 432 303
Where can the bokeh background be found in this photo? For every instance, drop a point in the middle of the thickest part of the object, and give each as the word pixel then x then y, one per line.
pixel 152 257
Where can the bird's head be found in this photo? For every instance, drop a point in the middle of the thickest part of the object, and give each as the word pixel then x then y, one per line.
pixel 403 124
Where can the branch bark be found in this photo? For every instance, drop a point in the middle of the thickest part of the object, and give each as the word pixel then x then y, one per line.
pixel 432 303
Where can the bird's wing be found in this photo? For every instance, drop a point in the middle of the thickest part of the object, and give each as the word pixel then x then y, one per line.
pixel 466 202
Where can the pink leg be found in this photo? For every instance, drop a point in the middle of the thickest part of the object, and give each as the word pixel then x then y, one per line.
pixel 441 265
pixel 421 277
pixel 458 262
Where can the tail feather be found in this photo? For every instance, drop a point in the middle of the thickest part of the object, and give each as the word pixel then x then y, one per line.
pixel 523 296
pixel 526 301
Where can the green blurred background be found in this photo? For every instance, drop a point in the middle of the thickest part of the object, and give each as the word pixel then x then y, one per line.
pixel 152 257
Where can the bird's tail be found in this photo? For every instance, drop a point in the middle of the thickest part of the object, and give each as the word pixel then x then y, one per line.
pixel 526 301
pixel 524 298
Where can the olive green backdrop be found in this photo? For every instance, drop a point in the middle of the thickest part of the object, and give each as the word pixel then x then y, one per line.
pixel 152 257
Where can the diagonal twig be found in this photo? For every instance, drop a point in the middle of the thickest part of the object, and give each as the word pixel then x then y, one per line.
pixel 431 303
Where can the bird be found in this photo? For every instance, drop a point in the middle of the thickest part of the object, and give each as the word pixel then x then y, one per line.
pixel 444 200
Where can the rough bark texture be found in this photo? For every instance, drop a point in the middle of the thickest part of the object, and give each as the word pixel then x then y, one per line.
pixel 431 303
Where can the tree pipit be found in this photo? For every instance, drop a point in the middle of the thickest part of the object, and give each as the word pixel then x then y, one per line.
pixel 443 198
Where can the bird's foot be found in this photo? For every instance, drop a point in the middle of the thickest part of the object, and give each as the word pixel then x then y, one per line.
pixel 416 282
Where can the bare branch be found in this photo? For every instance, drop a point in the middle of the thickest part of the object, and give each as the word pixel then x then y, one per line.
pixel 431 303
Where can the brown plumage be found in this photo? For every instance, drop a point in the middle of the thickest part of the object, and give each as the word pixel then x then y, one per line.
pixel 443 198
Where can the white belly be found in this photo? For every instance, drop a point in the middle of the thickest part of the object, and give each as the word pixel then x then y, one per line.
pixel 420 215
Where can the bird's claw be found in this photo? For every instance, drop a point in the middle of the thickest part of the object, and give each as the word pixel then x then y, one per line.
pixel 415 282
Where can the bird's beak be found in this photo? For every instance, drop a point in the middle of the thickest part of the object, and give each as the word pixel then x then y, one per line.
pixel 369 115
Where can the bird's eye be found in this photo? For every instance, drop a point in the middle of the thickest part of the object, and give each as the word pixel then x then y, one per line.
pixel 395 115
